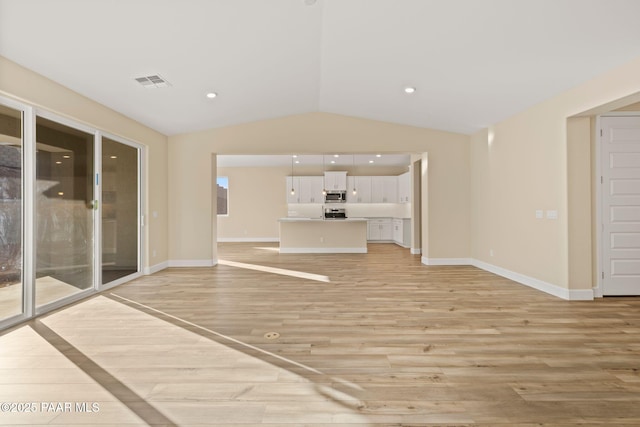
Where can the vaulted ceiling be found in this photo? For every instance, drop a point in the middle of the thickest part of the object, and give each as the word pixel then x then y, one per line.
pixel 472 62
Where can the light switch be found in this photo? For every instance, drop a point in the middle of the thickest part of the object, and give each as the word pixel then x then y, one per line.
pixel 539 214
pixel 552 214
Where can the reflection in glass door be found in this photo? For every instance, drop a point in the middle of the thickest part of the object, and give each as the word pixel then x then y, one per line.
pixel 64 211
pixel 11 225
pixel 119 210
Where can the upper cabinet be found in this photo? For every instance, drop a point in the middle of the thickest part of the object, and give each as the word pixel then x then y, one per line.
pixel 293 189
pixel 362 185
pixel 369 189
pixel 404 187
pixel 335 181
pixel 311 189
pixel 384 189
pixel 307 189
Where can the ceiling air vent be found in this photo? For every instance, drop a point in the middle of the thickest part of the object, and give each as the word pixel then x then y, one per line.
pixel 153 81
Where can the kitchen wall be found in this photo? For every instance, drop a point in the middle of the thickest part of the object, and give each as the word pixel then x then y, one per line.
pixel 190 173
pixel 531 162
pixel 257 199
pixel 25 85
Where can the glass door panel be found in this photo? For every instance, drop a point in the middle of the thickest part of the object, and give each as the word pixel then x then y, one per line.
pixel 64 211
pixel 11 225
pixel 119 210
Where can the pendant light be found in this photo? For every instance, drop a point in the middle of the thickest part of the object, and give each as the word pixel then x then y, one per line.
pixel 293 190
pixel 324 184
pixel 353 163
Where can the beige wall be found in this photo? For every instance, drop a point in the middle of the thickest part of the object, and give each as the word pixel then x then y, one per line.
pixel 632 107
pixel 24 85
pixel 257 199
pixel 190 215
pixel 526 163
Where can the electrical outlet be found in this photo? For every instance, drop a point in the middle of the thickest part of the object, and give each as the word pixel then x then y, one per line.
pixel 490 252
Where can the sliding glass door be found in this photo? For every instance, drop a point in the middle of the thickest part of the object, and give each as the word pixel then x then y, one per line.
pixel 70 210
pixel 64 211
pixel 120 210
pixel 11 213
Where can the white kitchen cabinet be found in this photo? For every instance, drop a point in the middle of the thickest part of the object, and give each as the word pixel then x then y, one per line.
pixel 402 232
pixel 384 189
pixel 310 189
pixel 335 181
pixel 362 184
pixel 293 182
pixel 380 229
pixel 404 187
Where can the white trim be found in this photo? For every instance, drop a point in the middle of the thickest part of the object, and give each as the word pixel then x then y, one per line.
pixel 446 261
pixel 598 186
pixel 97 211
pixel 549 288
pixel 155 268
pixel 598 290
pixel 247 239
pixel 621 114
pixel 323 250
pixel 416 251
pixel 191 263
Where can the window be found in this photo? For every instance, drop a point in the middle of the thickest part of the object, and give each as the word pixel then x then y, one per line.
pixel 222 184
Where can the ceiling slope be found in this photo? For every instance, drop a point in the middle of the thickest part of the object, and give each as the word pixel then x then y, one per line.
pixel 473 62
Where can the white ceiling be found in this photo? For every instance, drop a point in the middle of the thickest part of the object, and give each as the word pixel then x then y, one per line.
pixel 473 62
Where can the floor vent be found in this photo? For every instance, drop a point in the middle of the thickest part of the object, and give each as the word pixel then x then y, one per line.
pixel 272 335
pixel 154 81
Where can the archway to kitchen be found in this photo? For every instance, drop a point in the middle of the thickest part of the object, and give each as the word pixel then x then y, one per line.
pixel 252 192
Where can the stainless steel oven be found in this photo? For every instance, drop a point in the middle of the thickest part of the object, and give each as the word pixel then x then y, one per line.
pixel 335 213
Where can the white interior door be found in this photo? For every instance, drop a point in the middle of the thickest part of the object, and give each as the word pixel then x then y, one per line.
pixel 620 144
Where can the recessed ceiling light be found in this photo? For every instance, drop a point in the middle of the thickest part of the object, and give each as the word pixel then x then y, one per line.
pixel 378 155
pixel 336 155
pixel 333 161
pixel 370 161
pixel 66 157
pixel 211 95
pixel 294 156
pixel 113 157
pixel 409 89
pixel 297 161
pixel 58 163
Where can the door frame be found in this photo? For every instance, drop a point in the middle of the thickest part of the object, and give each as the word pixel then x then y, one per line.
pixel 29 114
pixel 598 291
pixel 140 207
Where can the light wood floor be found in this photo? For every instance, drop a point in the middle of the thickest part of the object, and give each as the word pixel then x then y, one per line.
pixel 385 341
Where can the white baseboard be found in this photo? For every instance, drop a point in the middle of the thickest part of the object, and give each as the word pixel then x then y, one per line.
pixel 549 288
pixel 155 268
pixel 191 263
pixel 446 261
pixel 247 239
pixel 323 250
pixel 415 251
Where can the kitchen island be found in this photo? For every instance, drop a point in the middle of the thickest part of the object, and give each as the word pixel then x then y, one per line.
pixel 315 235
